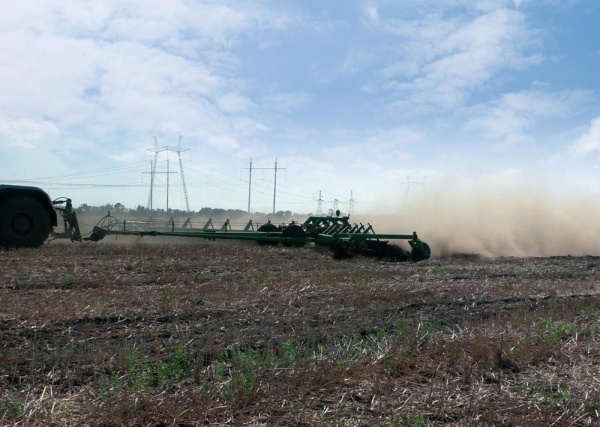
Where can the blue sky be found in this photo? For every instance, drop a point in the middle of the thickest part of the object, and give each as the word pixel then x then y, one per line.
pixel 349 96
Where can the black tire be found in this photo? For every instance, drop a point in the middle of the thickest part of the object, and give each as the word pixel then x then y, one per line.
pixel 423 255
pixel 397 254
pixel 376 248
pixel 293 230
pixel 24 222
pixel 339 251
pixel 388 252
pixel 267 228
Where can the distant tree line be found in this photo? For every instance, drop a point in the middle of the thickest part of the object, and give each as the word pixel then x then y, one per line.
pixel 118 209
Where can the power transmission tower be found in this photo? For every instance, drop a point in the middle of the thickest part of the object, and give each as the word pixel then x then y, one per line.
pixel 351 204
pixel 153 172
pixel 150 196
pixel 275 186
pixel 152 175
pixel 335 205
pixel 156 150
pixel 320 204
pixel 250 169
pixel 408 183
pixel 249 184
pixel 178 151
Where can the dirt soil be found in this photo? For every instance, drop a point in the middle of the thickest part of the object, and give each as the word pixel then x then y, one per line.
pixel 166 334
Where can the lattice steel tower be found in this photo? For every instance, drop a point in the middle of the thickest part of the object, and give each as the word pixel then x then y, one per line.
pixel 153 172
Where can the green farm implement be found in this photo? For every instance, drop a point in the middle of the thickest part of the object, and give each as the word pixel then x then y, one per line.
pixel 335 232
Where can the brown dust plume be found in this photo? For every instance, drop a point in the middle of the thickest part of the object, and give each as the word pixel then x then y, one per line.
pixel 497 221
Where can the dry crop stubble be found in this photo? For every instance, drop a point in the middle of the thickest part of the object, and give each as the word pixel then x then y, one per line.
pixel 197 334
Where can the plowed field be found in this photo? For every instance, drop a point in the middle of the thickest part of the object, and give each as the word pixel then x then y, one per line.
pixel 232 334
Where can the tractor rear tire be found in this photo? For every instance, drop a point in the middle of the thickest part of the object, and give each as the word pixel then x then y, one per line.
pixel 293 230
pixel 24 222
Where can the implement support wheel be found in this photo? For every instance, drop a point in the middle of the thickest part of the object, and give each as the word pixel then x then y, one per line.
pixel 340 251
pixel 421 255
pixel 267 228
pixel 293 230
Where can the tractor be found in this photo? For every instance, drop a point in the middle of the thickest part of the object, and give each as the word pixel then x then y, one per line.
pixel 28 217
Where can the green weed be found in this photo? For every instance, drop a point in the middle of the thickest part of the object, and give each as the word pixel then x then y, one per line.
pixel 178 367
pixel 170 299
pixel 140 372
pixel 20 282
pixel 555 394
pixel 589 312
pixel 407 420
pixel 439 270
pixel 555 331
pixel 12 408
pixel 67 282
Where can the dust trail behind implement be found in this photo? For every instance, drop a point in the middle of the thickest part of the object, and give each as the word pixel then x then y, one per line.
pixel 498 221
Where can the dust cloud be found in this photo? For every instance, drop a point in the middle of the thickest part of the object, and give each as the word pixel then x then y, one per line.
pixel 497 220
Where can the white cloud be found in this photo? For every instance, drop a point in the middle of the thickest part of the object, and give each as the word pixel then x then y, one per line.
pixel 384 146
pixel 476 5
pixel 248 127
pixel 286 101
pixel 442 56
pixel 173 25
pixel 394 137
pixel 372 13
pixel 233 102
pixel 589 142
pixel 222 142
pixel 25 133
pixel 130 156
pixel 369 166
pixel 508 119
pixel 118 72
pixel 356 60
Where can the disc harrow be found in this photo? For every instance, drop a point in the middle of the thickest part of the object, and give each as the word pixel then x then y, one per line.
pixel 342 237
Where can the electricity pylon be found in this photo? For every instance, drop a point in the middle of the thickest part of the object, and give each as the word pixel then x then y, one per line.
pixel 153 172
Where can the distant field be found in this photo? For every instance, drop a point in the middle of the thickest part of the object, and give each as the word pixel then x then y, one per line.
pixel 128 333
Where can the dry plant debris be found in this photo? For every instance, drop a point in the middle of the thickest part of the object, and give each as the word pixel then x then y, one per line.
pixel 236 334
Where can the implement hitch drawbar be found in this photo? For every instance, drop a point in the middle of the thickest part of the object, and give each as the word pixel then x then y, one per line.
pixel 337 233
